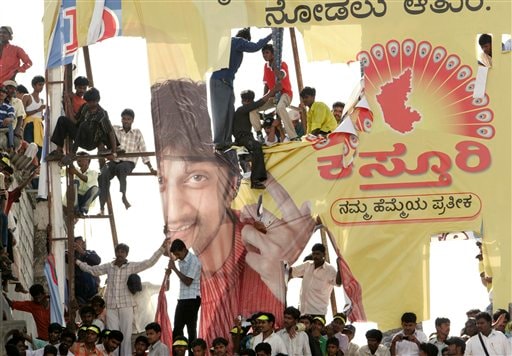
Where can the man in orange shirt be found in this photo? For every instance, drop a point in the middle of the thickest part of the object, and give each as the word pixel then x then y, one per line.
pixel 88 347
pixel 10 56
pixel 76 99
pixel 39 307
pixel 269 80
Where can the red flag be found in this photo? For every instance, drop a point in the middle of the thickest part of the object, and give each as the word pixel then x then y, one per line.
pixel 352 289
pixel 162 316
pixel 350 285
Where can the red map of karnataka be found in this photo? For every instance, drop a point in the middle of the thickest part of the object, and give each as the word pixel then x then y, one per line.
pixel 393 101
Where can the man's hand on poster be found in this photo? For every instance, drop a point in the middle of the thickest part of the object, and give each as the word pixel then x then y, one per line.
pixel 280 239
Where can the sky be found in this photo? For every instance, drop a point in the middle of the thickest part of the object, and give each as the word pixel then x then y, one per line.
pixel 120 73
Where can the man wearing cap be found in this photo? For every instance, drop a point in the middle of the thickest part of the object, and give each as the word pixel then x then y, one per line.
pixel 180 346
pixel 11 56
pixel 295 340
pixel 88 347
pixel 247 341
pixel 318 280
pixel 221 87
pixel 189 299
pixel 338 324
pixel 19 109
pixel 7 117
pixel 317 343
pixel 266 325
pixel 119 300
pixel 156 347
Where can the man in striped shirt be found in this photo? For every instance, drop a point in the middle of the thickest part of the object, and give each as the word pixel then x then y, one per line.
pixel 131 141
pixel 119 300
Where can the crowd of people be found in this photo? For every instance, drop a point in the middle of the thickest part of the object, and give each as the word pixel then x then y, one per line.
pixel 104 324
pixel 299 334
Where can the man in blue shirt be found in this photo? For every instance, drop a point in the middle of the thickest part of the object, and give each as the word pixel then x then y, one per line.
pixel 6 117
pixel 221 87
pixel 189 299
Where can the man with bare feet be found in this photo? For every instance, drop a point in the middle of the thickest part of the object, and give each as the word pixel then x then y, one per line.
pixel 131 141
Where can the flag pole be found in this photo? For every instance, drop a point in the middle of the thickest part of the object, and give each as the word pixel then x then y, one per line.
pixel 296 59
pixel 323 235
pixel 298 71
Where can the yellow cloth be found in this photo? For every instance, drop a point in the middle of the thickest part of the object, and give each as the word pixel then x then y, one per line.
pixel 320 117
pixel 38 128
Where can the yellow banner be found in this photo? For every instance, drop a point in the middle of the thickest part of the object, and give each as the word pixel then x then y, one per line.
pixel 437 159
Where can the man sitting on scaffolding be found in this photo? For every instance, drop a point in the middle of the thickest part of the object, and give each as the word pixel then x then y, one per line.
pixel 131 141
pixel 269 79
pixel 89 129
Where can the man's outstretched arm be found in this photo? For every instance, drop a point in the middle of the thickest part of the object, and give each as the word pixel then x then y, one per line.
pixel 137 267
pixel 94 270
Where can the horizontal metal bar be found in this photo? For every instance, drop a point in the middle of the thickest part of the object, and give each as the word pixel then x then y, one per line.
pixel 141 174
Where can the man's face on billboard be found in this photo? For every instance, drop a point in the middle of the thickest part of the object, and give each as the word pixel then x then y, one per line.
pixel 195 200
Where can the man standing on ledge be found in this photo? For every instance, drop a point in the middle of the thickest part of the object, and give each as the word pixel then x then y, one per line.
pixel 221 87
pixel 190 292
pixel 318 280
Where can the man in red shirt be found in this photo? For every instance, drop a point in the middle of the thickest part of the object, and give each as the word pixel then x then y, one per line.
pixel 10 56
pixel 76 99
pixel 269 79
pixel 39 307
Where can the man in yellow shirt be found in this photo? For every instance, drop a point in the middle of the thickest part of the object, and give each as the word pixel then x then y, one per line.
pixel 320 120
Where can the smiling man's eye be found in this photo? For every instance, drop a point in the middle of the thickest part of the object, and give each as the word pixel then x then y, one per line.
pixel 198 177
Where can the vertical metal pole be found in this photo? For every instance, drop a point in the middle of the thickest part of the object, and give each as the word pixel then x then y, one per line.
pixel 298 71
pixel 70 202
pixel 88 68
pixel 112 221
pixel 323 235
pixel 296 59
